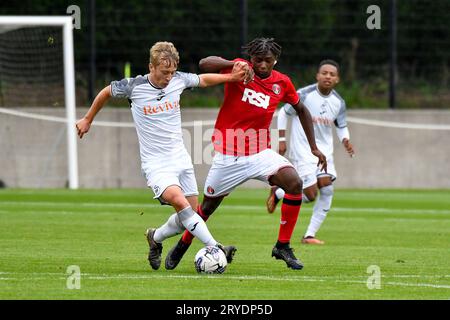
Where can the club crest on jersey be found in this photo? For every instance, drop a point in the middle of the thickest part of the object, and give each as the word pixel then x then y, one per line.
pixel 210 190
pixel 276 89
pixel 156 189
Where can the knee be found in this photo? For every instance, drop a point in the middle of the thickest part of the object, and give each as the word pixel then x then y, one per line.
pixel 327 190
pixel 177 200
pixel 294 186
pixel 312 197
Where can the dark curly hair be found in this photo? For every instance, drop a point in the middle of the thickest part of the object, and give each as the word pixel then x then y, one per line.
pixel 261 46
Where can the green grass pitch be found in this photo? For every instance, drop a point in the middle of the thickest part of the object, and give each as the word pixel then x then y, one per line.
pixel 406 233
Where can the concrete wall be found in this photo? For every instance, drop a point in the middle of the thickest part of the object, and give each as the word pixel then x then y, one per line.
pixel 33 152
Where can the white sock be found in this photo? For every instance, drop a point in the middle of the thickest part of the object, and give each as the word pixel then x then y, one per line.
pixel 195 225
pixel 172 227
pixel 279 193
pixel 320 210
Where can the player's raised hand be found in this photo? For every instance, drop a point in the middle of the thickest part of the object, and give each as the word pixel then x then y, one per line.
pixel 241 66
pixel 348 147
pixel 322 160
pixel 83 126
pixel 249 74
pixel 238 71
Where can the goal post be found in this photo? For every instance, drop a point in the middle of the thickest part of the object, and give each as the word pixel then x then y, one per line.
pixel 12 22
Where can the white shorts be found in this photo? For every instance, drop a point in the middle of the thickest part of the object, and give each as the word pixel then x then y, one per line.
pixel 163 174
pixel 227 171
pixel 310 172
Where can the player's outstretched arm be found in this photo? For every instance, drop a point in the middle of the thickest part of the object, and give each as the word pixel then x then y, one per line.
pixel 83 125
pixel 307 124
pixel 214 64
pixel 239 72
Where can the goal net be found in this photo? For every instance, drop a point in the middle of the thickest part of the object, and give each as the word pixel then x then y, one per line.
pixel 31 67
pixel 37 91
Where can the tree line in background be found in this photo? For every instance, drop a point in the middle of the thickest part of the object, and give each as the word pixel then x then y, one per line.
pixel 308 30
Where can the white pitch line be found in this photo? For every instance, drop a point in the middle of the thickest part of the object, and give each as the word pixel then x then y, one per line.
pixel 213 276
pixel 227 207
pixel 402 284
pixel 437 286
pixel 228 277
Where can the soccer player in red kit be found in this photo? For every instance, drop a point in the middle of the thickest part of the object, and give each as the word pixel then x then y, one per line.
pixel 242 143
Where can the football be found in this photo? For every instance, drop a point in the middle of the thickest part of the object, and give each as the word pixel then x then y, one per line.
pixel 210 259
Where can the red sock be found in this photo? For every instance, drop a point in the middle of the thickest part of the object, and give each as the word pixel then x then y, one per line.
pixel 289 214
pixel 187 236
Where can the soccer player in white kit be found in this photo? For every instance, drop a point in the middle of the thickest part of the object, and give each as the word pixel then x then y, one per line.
pixel 166 164
pixel 327 108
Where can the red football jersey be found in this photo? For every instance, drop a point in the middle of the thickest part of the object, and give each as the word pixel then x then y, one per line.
pixel 242 126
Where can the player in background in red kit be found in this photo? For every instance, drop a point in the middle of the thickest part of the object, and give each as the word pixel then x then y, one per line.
pixel 242 143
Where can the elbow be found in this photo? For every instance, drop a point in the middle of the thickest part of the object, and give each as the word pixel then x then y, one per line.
pixel 107 92
pixel 209 64
pixel 202 83
pixel 203 64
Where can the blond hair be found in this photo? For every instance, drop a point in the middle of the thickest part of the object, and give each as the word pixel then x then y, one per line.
pixel 164 52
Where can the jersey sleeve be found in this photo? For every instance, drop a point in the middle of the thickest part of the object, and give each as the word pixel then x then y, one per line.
pixel 122 88
pixel 190 80
pixel 341 119
pixel 302 93
pixel 341 122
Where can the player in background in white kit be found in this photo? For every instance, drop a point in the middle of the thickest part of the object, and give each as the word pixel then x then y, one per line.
pixel 166 164
pixel 326 107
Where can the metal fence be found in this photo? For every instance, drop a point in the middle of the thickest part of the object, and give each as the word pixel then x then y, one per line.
pixel 114 33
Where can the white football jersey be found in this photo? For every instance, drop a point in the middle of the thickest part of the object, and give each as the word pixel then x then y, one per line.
pixel 325 111
pixel 156 114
